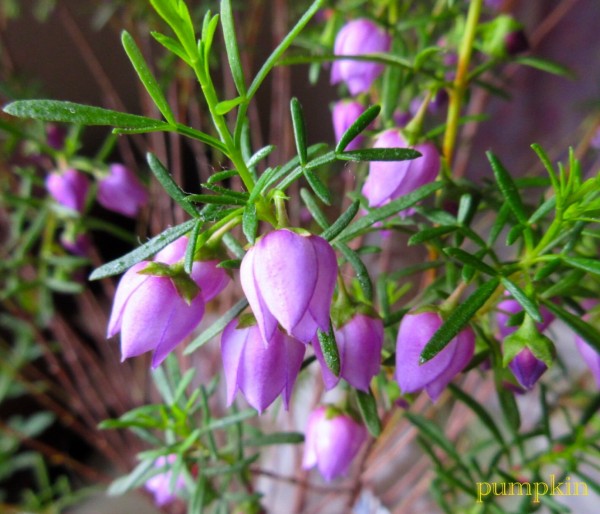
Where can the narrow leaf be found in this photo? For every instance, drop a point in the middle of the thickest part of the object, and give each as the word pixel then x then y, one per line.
pixel 430 233
pixel 148 249
pixel 361 123
pixel 360 269
pixel 458 319
pixel 367 407
pixel 260 155
pixel 276 438
pixel 585 330
pixel 342 222
pixel 250 222
pixel 330 350
pixel 299 130
pixel 216 199
pixel 379 154
pixel 233 53
pixel 470 260
pixel 508 188
pixel 190 250
pixel 589 265
pixel 518 294
pixel 221 175
pixel 318 187
pixel 314 209
pixel 171 187
pixel 225 106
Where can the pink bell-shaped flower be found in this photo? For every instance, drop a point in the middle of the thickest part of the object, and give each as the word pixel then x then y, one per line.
pixel 332 441
pixel 289 279
pixel 590 356
pixel 121 191
pixel 390 180
pixel 160 485
pixel 359 37
pixel 359 343
pixel 434 375
pixel 261 372
pixel 149 311
pixel 69 188
pixel 344 114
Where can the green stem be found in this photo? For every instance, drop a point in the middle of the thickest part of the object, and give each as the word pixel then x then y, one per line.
pixel 461 80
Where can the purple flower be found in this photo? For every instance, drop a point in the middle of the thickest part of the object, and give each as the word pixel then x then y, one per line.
pixel 120 191
pixel 289 279
pixel 516 42
pixel 69 188
pixel 79 244
pixel 332 441
pixel 261 372
pixel 590 356
pixel 149 311
pixel 415 332
pixel 55 136
pixel 390 180
pixel 345 114
pixel 359 344
pixel 160 485
pixel 527 368
pixel 509 307
pixel 358 37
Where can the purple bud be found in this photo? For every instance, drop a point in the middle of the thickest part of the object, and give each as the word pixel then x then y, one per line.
pixel 345 114
pixel 78 245
pixel 332 441
pixel 120 191
pixel 509 307
pixel 150 313
pixel 69 188
pixel 160 485
pixel 289 279
pixel 55 136
pixel 516 42
pixel 527 368
pixel 359 344
pixel 434 375
pixel 390 180
pixel 261 372
pixel 358 37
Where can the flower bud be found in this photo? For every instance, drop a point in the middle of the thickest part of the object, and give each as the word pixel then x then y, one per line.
pixel 358 37
pixel 55 136
pixel 160 485
pixel 78 244
pixel 69 188
pixel 289 279
pixel 149 310
pixel 434 375
pixel 345 114
pixel 332 441
pixel 261 372
pixel 390 180
pixel 359 343
pixel 120 191
pixel 527 368
pixel 516 42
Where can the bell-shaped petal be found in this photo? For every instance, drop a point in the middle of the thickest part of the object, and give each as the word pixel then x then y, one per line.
pixel 359 37
pixel 121 191
pixel 359 344
pixel 69 188
pixel 590 356
pixel 261 372
pixel 434 375
pixel 345 113
pixel 527 368
pixel 290 279
pixel 332 441
pixel 160 485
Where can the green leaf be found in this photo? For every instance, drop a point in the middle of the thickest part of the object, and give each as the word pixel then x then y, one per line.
pixel 239 466
pixel 509 407
pixel 172 45
pixel 379 154
pixel 190 250
pixel 221 175
pixel 314 209
pixel 430 233
pixel 215 199
pixel 433 433
pixel 470 260
pixel 217 327
pixel 381 213
pixel 360 269
pixel 142 472
pixel 360 124
pixel 260 155
pixel 589 265
pixel 148 249
pixel 231 46
pixel 299 130
pixel 225 106
pixel 318 187
pixel 170 186
pixel 367 407
pixel 588 332
pixel 275 438
pixel 458 319
pixel 232 419
pixel 508 188
pixel 250 222
pixel 342 222
pixel 145 75
pixel 545 65
pixel 69 112
pixel 330 350
pixel 518 294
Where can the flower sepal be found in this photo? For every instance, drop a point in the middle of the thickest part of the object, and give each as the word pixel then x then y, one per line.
pixel 527 336
pixel 186 288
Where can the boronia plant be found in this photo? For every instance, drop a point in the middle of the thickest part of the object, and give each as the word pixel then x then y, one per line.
pixel 506 286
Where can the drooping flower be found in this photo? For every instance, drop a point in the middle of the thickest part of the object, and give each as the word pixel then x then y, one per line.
pixel 332 441
pixel 69 188
pixel 289 279
pixel 149 311
pixel 527 368
pixel 359 37
pixel 359 343
pixel 390 180
pixel 260 372
pixel 590 356
pixel 345 113
pixel 434 375
pixel 121 191
pixel 160 485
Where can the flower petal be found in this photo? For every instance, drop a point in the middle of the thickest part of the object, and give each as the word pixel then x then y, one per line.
pixel 127 286
pixel 232 346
